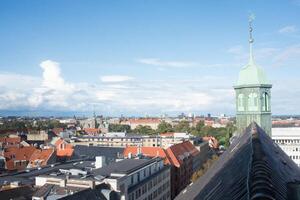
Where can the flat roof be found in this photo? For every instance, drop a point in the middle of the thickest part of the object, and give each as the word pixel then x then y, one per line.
pixel 125 166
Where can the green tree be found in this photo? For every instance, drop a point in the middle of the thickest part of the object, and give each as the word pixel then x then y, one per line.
pixel 119 128
pixel 182 126
pixel 164 127
pixel 144 130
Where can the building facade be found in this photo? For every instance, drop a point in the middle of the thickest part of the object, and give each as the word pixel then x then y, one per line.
pixel 138 179
pixel 253 96
pixel 288 139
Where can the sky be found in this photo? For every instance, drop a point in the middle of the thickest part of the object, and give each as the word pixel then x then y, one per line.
pixel 143 57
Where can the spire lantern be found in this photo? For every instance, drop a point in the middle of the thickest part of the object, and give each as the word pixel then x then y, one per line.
pixel 253 93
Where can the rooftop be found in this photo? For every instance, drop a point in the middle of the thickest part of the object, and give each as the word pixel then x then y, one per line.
pixel 252 167
pixel 125 166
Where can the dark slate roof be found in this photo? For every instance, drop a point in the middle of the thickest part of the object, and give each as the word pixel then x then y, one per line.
pixel 125 166
pixel 43 191
pixel 20 193
pixel 111 153
pixel 91 194
pixel 253 167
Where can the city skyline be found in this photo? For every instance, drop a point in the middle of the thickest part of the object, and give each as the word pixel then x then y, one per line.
pixel 143 57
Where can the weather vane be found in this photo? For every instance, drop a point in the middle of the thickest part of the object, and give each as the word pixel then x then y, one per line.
pixel 251 18
pixel 251 40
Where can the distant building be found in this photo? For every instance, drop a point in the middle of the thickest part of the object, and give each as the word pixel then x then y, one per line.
pixel 91 131
pixel 288 139
pixel 37 136
pixel 121 140
pixel 133 123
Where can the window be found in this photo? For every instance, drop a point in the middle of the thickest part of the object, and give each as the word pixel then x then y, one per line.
pixel 265 102
pixel 241 102
pixel 253 102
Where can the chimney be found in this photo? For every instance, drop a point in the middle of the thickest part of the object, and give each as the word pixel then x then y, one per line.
pixel 100 162
pixel 130 155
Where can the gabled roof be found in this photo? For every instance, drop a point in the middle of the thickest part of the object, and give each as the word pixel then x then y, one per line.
pixel 17 153
pixel 10 141
pixel 67 149
pixel 253 167
pixel 41 156
pixel 172 155
pixel 178 152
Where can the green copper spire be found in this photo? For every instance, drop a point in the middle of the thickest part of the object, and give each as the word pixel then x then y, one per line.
pixel 253 94
pixel 251 74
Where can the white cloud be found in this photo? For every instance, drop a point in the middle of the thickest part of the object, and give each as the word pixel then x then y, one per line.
pixel 52 92
pixel 288 29
pixel 115 78
pixel 158 62
pixel 52 78
pixel 287 54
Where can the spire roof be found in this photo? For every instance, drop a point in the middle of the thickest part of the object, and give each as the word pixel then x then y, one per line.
pixel 252 74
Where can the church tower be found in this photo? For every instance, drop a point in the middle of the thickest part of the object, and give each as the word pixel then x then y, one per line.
pixel 253 94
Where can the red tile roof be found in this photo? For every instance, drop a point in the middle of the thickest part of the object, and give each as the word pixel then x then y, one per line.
pixel 148 151
pixel 6 141
pixel 179 151
pixel 13 154
pixel 172 155
pixel 40 157
pixel 63 149
pixel 212 141
pixel 91 130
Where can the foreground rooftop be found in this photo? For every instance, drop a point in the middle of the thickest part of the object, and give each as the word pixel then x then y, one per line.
pixel 253 167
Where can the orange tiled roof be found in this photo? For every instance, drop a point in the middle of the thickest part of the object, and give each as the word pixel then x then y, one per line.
pixel 91 130
pixel 14 140
pixel 41 155
pixel 12 154
pixel 181 150
pixel 63 148
pixel 215 142
pixel 148 151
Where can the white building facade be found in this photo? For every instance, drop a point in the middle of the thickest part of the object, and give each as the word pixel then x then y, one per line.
pixel 289 141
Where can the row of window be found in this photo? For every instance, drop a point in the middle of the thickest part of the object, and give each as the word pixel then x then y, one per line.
pixel 148 186
pixel 294 157
pixel 253 102
pixel 287 141
pixel 153 195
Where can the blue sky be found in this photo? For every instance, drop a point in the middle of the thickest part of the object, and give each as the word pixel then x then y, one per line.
pixel 138 57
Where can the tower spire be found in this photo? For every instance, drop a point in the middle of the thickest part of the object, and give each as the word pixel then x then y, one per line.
pixel 251 40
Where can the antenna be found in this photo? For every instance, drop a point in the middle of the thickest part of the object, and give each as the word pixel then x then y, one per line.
pixel 251 40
